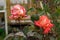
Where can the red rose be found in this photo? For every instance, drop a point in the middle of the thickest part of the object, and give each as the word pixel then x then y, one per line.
pixel 45 23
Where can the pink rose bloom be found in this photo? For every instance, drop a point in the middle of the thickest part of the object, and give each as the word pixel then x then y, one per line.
pixel 17 11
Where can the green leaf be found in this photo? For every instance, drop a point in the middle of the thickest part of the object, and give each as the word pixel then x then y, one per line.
pixel 28 29
pixel 39 36
pixel 31 9
pixel 25 30
pixel 35 17
pixel 39 9
pixel 46 8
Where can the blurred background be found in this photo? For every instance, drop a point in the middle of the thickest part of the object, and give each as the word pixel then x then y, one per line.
pixel 34 8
